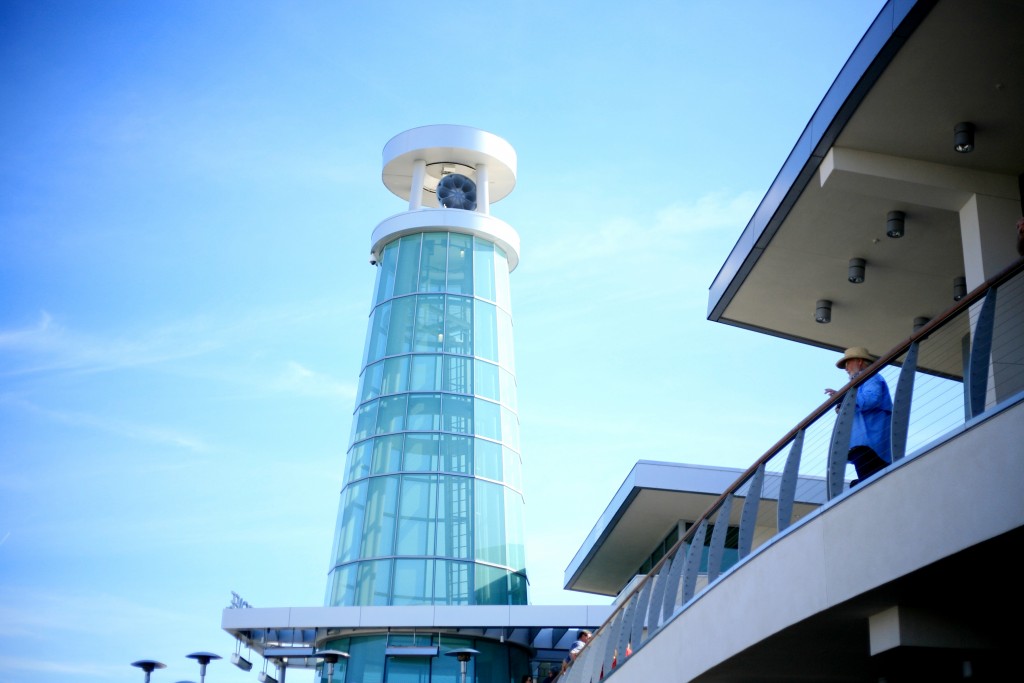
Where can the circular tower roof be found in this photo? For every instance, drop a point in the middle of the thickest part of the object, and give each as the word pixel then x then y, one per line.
pixel 448 149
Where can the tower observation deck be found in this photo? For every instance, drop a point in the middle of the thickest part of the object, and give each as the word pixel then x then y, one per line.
pixel 431 506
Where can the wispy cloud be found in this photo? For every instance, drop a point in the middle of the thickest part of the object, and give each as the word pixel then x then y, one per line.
pixel 121 428
pixel 49 346
pixel 298 379
pixel 638 236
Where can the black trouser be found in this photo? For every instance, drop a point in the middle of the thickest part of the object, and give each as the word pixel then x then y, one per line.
pixel 866 461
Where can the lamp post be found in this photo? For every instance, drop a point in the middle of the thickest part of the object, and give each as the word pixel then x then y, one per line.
pixel 463 654
pixel 203 658
pixel 148 665
pixel 331 657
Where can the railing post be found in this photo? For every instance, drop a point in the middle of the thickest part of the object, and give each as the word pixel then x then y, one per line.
pixel 787 486
pixel 748 519
pixel 981 351
pixel 839 449
pixel 693 555
pixel 717 550
pixel 902 402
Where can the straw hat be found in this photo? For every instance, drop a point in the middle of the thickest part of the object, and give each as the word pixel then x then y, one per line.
pixel 854 352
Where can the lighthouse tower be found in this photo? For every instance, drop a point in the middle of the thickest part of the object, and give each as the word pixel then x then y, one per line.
pixel 432 506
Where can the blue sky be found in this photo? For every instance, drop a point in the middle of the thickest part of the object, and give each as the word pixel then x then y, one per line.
pixel 188 192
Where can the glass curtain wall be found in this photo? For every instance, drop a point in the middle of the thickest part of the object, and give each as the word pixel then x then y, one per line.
pixel 431 507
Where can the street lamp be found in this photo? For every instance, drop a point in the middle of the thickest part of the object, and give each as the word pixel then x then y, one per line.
pixel 148 665
pixel 203 658
pixel 463 654
pixel 331 657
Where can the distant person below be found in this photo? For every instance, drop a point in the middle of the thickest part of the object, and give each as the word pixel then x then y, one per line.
pixel 871 438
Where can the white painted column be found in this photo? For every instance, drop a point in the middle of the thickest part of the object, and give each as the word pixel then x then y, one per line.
pixel 989 235
pixel 419 172
pixel 483 190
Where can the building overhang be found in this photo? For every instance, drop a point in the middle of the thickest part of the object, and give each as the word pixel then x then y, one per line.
pixel 654 498
pixel 295 633
pixel 880 141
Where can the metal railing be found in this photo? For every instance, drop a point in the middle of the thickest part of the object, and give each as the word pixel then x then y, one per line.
pixel 951 372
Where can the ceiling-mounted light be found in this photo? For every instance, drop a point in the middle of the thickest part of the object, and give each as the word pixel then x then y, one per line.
pixel 894 224
pixel 959 288
pixel 856 272
pixel 823 311
pixel 963 137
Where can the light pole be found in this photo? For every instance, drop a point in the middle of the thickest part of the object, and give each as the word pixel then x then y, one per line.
pixel 148 665
pixel 463 654
pixel 203 658
pixel 331 657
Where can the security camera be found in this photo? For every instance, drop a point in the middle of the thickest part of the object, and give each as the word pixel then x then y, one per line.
pixel 373 259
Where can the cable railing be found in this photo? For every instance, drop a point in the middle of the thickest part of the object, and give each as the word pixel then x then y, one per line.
pixel 954 370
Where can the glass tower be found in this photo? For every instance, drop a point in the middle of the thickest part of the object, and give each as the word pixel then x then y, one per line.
pixel 431 505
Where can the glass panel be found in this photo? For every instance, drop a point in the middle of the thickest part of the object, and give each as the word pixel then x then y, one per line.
pixel 452 586
pixel 433 260
pixel 454 525
pixel 350 522
pixel 458 375
pixel 416 515
pixel 359 460
pixel 364 421
pixel 458 414
pixel 517 590
pixel 485 331
pixel 366 662
pixel 396 375
pixel 421 452
pixel 379 525
pixel 456 454
pixel 483 269
pixel 509 393
pixel 510 428
pixel 485 383
pixel 505 351
pixel 374 582
pixel 414 582
pixel 460 264
pixel 377 336
pixel 408 669
pixel 387 454
pixel 488 419
pixel 408 264
pixel 502 292
pixel 400 330
pixel 386 276
pixel 489 522
pixel 370 383
pixel 458 325
pixel 491 585
pixel 426 373
pixel 514 541
pixel 424 413
pixel 391 414
pixel 512 466
pixel 492 664
pixel 487 459
pixel 343 586
pixel 429 334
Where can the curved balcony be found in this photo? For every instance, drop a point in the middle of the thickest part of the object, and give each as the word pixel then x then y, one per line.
pixel 905 574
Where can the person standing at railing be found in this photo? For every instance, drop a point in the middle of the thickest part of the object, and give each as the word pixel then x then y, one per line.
pixel 871 436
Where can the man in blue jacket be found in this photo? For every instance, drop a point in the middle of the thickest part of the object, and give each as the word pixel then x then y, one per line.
pixel 871 437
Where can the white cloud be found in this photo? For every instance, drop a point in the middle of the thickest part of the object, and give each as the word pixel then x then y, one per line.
pixel 122 428
pixel 298 379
